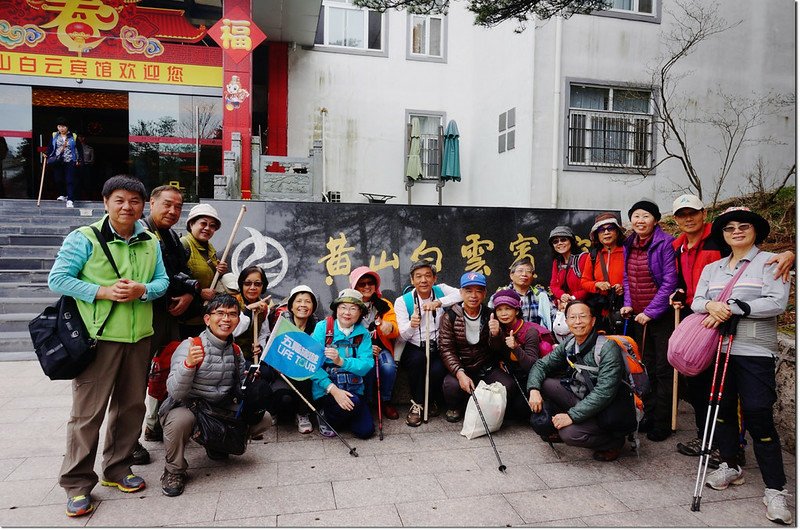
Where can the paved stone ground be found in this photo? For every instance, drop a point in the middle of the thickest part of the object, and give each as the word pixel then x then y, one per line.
pixel 429 476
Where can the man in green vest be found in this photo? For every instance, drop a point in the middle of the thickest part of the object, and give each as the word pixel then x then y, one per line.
pixel 115 304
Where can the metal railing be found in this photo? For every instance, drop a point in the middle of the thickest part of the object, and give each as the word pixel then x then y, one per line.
pixel 609 139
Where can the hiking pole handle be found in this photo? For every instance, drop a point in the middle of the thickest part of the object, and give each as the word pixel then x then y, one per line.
pixel 230 243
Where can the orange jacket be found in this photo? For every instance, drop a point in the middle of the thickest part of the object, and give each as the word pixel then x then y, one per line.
pixel 387 339
pixel 616 269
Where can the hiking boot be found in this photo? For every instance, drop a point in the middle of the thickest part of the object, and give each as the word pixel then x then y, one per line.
pixel 657 434
pixel 690 448
pixel 216 455
pixel 433 409
pixel 153 435
pixel 304 425
pixel 129 484
pixel 83 505
pixel 389 411
pixel 325 429
pixel 714 460
pixel 777 511
pixel 724 477
pixel 172 484
pixel 414 417
pixel 141 457
pixel 70 205
pixel 609 455
pixel 453 415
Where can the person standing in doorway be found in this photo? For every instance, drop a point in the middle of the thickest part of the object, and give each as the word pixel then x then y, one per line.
pixel 86 169
pixel 64 155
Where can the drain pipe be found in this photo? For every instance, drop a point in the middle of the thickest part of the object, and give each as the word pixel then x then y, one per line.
pixel 323 115
pixel 556 115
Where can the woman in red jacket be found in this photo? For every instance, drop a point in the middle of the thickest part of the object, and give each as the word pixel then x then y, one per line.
pixel 602 273
pixel 568 260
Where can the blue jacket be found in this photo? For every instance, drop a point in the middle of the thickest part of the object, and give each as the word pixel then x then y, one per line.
pixel 74 146
pixel 661 262
pixel 357 360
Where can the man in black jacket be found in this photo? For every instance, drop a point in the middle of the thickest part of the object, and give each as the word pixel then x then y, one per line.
pixel 166 204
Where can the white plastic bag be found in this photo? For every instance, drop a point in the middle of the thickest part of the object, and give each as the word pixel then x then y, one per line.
pixel 492 399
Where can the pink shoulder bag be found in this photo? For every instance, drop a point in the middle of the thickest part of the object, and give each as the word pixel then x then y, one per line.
pixel 691 346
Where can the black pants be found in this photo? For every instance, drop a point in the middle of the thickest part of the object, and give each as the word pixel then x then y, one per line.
pixel 413 361
pixel 658 402
pixel 285 402
pixel 455 398
pixel 751 380
pixel 697 390
pixel 585 434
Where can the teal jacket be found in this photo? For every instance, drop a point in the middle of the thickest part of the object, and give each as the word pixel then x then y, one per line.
pixel 357 360
pixel 606 380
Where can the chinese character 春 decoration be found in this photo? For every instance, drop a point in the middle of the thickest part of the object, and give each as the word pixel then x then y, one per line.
pixel 236 34
pixel 521 248
pixel 424 250
pixel 132 42
pixel 13 36
pixel 80 23
pixel 234 93
pixel 337 262
pixel 474 251
pixel 383 262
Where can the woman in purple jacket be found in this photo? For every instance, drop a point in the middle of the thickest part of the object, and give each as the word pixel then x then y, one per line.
pixel 649 278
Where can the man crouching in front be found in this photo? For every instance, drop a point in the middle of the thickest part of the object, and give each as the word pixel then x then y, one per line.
pixel 211 371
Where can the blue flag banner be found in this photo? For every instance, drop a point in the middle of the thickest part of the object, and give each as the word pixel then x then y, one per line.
pixel 292 352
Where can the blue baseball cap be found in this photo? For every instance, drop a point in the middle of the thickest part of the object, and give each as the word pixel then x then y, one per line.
pixel 473 278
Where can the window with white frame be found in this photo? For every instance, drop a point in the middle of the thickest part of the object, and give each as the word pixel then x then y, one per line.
pixel 610 127
pixel 643 7
pixel 430 141
pixel 426 38
pixel 343 25
pixel 507 127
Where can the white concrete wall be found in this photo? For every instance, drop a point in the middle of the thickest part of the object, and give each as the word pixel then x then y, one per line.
pixel 489 71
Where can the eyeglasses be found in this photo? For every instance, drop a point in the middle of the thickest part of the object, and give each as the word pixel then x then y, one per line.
pixel 226 314
pixel 744 227
pixel 557 240
pixel 253 284
pixel 607 228
pixel 523 271
pixel 347 308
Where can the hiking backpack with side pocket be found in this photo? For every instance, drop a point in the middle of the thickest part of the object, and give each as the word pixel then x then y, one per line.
pixel 635 372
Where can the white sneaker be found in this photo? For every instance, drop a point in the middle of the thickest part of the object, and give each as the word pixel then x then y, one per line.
pixel 724 476
pixel 304 425
pixel 70 205
pixel 62 198
pixel 777 511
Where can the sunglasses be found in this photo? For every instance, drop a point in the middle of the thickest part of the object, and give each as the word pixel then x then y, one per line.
pixel 607 228
pixel 253 284
pixel 744 227
pixel 557 240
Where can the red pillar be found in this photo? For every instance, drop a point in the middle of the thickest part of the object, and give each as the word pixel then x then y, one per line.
pixel 278 99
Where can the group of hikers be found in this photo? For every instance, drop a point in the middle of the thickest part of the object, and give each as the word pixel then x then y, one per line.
pixel 549 346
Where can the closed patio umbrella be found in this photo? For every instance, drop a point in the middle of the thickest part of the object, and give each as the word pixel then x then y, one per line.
pixel 451 167
pixel 414 163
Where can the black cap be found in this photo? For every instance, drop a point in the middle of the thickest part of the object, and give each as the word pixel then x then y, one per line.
pixel 646 205
pixel 420 264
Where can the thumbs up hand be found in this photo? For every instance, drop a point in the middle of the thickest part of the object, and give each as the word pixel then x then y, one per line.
pixel 494 325
pixel 415 318
pixel 511 341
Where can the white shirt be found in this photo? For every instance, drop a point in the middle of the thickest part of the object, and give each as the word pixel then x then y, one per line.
pixel 416 336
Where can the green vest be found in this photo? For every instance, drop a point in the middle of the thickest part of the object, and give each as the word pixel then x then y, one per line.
pixel 130 321
pixel 199 267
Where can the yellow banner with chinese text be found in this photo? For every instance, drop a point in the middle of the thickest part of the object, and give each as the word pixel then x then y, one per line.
pixel 109 69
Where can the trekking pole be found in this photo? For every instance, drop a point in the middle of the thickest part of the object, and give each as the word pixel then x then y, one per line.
pixel 729 330
pixel 41 181
pixel 427 364
pixel 501 467
pixel 675 381
pixel 230 243
pixel 319 416
pixel 380 405
pixel 255 337
pixel 525 398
